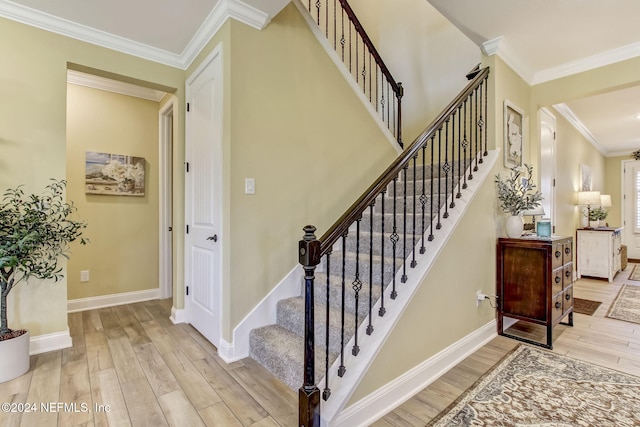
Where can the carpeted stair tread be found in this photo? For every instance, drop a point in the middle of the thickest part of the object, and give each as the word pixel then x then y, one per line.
pixel 290 315
pixel 282 353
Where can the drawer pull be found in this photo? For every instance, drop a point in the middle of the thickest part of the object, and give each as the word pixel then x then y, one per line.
pixel 558 304
pixel 567 297
pixel 558 254
pixel 558 279
pixel 567 273
pixel 567 251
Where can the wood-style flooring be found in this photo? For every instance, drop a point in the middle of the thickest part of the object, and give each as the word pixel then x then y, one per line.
pixel 130 366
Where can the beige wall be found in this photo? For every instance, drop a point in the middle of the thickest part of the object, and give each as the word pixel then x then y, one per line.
pixel 294 125
pixel 33 86
pixel 613 187
pixel 416 41
pixel 123 254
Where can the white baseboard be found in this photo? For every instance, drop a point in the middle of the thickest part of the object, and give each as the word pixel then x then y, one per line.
pixel 178 315
pixel 262 315
pixel 102 301
pixel 385 399
pixel 50 342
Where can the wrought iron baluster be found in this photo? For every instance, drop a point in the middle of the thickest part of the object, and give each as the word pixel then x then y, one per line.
pixel 382 310
pixel 466 142
pixel 370 325
pixel 342 369
pixel 394 237
pixel 423 197
pixel 413 246
pixel 326 20
pixel 335 24
pixel 475 123
pixel 318 12
pixel 459 194
pixel 439 224
pixel 431 236
pixel 356 285
pixel 446 168
pixel 326 393
pixel 342 38
pixel 403 279
pixel 451 141
pixel 486 95
pixel 480 126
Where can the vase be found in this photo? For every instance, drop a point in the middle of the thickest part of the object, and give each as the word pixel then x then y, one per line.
pixel 603 223
pixel 594 224
pixel 514 226
pixel 14 354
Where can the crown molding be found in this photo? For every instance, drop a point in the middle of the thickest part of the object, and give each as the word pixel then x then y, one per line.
pixel 568 114
pixel 222 11
pixel 600 60
pixel 499 46
pixel 102 83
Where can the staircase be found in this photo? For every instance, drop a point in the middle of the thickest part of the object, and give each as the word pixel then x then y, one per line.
pixel 371 254
pixel 357 274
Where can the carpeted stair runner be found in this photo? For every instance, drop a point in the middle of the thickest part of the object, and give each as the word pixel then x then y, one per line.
pixel 279 347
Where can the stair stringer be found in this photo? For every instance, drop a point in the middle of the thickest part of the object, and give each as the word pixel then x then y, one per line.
pixel 322 39
pixel 357 366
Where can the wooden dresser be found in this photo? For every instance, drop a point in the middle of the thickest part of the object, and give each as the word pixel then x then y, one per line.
pixel 535 283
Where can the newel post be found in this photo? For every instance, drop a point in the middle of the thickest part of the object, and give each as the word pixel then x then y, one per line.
pixel 309 394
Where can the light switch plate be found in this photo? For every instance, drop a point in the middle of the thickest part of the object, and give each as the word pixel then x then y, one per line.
pixel 249 186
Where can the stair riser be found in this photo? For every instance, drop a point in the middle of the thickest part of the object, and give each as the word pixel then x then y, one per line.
pixel 380 241
pixel 363 268
pixel 439 186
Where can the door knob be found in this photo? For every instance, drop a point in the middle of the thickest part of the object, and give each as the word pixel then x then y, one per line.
pixel 214 238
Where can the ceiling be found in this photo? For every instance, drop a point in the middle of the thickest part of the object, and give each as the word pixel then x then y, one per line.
pixel 541 40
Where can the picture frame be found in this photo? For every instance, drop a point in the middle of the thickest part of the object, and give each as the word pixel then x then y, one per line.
pixel 114 174
pixel 513 134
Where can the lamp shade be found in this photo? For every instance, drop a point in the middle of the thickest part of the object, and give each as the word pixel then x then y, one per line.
pixel 535 211
pixel 605 200
pixel 587 198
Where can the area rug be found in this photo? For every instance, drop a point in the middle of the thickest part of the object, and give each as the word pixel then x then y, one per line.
pixel 626 306
pixel 534 387
pixel 635 273
pixel 585 306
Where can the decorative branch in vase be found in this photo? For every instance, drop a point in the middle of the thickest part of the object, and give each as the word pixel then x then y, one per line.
pixel 516 194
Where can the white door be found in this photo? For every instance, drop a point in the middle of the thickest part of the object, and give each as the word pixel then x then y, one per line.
pixel 548 164
pixel 203 189
pixel 631 207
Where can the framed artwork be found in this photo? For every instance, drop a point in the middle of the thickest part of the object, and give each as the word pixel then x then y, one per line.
pixel 585 178
pixel 114 174
pixel 513 134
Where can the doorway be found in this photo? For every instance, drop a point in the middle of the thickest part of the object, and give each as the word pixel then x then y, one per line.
pixel 548 164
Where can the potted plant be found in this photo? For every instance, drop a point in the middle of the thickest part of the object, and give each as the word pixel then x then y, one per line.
pixel 35 231
pixel 516 194
pixel 597 217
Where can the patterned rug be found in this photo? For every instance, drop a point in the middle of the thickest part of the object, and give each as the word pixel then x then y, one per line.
pixel 534 387
pixel 585 306
pixel 626 306
pixel 635 273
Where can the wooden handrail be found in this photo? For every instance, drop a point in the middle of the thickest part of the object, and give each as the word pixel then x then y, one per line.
pixel 374 52
pixel 352 214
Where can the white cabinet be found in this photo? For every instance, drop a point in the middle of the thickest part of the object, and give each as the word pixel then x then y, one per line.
pixel 598 252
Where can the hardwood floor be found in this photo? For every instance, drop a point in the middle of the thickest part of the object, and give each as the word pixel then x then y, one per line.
pixel 130 366
pixel 597 339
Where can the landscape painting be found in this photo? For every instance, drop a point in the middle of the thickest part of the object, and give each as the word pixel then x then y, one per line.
pixel 114 174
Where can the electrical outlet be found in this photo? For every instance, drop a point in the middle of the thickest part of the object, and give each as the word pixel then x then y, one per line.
pixel 480 297
pixel 84 275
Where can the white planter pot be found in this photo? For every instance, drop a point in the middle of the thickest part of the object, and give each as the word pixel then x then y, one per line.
pixel 514 226
pixel 594 224
pixel 14 354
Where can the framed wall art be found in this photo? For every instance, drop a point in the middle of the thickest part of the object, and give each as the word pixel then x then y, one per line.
pixel 585 178
pixel 513 134
pixel 114 174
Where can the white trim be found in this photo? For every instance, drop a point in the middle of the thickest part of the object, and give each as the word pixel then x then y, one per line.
pixel 91 303
pixel 589 63
pixel 167 118
pixel 575 121
pixel 349 79
pixel 343 388
pixel 222 11
pixel 499 46
pixel 178 315
pixel 102 83
pixel 385 399
pixel 50 342
pixel 262 315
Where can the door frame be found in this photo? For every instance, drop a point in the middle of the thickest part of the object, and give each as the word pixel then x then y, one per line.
pixel 208 61
pixel 628 232
pixel 552 124
pixel 165 159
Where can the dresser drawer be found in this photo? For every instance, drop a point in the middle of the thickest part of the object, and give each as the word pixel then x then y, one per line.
pixel 567 275
pixel 557 307
pixel 557 281
pixel 567 300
